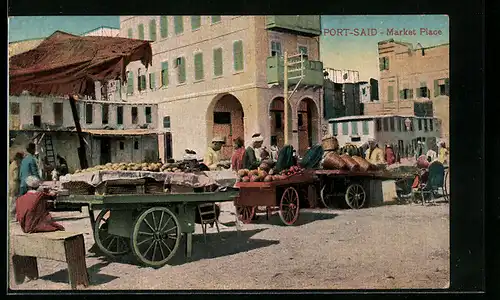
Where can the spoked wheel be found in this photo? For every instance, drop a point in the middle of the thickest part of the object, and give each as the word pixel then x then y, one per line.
pixel 327 194
pixel 109 244
pixel 156 236
pixel 289 206
pixel 355 196
pixel 246 214
pixel 446 187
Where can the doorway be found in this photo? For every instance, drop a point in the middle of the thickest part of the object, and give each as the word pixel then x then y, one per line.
pixel 105 151
pixel 168 146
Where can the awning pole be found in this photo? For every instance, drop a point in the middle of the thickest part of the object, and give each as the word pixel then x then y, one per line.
pixel 81 150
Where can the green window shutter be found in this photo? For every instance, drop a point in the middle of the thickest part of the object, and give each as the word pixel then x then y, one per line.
pixel 390 94
pixel 163 26
pixel 152 30
pixel 345 128
pixel 195 22
pixel 334 129
pixel 366 129
pixel 411 94
pixel 381 63
pixel 218 62
pixel 198 66
pixel 152 81
pixel 447 86
pixel 164 73
pixel 130 83
pixel 401 94
pixel 140 29
pixel 178 24
pixel 386 63
pixel 436 88
pixel 238 55
pixel 130 33
pixel 354 128
pixel 181 73
pixel 215 19
pixel 143 82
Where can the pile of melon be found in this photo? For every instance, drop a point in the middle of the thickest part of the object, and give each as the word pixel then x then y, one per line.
pixel 262 174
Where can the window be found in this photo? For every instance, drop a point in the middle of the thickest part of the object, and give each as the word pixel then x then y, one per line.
pixel 181 69
pixel 198 66
pixel 119 115
pixel 391 123
pixel 134 114
pixel 130 83
pixel 178 25
pixel 152 81
pixel 195 22
pixel 140 30
pixel 130 33
pixel 441 87
pixel 89 109
pixel 300 120
pixel 419 124
pixel 141 82
pixel 152 30
pixel 303 50
pixel 149 115
pixel 334 129
pixel 406 94
pixel 378 124
pixel 58 113
pixel 386 124
pixel 345 128
pixel 399 121
pixel 166 122
pixel 163 26
pixel 238 55
pixel 218 64
pixel 14 108
pixel 275 48
pixel 390 93
pixel 366 129
pixel 431 125
pixel 136 145
pixel 222 118
pixel 216 19
pixel 354 128
pixel 384 63
pixel 164 73
pixel 425 125
pixel 278 120
pixel 105 113
pixel 122 145
pixel 423 91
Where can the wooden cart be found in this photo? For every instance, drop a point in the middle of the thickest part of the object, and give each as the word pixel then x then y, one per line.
pixel 149 225
pixel 282 194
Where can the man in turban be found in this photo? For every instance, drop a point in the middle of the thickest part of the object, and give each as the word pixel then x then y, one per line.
pixel 252 157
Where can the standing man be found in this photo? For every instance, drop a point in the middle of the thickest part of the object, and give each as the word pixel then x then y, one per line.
pixel 14 182
pixel 212 157
pixel 28 168
pixel 63 166
pixel 252 157
pixel 374 154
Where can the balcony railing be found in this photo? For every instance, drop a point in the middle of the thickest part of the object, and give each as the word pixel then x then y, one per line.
pixel 313 72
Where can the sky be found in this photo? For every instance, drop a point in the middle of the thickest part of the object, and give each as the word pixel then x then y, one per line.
pixel 351 52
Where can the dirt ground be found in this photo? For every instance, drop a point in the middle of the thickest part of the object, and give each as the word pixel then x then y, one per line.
pixel 396 246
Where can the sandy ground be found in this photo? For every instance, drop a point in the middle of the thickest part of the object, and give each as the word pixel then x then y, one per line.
pixel 396 246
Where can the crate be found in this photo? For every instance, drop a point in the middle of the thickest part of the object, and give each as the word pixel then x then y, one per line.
pixel 78 188
pixel 180 189
pixel 154 187
pixel 121 187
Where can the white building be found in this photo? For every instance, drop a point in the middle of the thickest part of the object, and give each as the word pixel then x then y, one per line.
pixel 212 75
pixel 103 31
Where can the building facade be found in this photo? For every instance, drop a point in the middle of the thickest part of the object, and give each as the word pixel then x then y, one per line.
pixel 409 74
pixel 211 76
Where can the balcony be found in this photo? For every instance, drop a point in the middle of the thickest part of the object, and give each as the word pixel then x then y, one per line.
pixel 313 72
pixel 309 26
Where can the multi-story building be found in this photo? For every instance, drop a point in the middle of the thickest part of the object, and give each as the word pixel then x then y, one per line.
pixel 412 74
pixel 103 31
pixel 223 76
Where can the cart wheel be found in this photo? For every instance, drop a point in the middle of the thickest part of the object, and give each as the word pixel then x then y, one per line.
pixel 326 194
pixel 289 206
pixel 355 196
pixel 246 214
pixel 111 245
pixel 446 187
pixel 156 236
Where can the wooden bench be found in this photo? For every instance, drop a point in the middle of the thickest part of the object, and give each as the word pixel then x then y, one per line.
pixel 63 246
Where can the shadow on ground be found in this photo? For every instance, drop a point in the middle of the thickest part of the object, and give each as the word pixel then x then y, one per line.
pixel 217 245
pixel 94 277
pixel 69 218
pixel 305 217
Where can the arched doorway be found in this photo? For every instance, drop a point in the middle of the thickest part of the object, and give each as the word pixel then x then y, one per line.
pixel 225 119
pixel 308 124
pixel 277 118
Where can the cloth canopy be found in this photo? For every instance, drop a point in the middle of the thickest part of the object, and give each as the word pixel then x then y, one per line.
pixel 66 64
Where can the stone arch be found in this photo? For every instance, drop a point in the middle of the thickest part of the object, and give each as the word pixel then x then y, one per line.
pixel 308 124
pixel 277 117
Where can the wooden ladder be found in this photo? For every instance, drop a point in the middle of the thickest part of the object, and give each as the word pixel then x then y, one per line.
pixel 49 150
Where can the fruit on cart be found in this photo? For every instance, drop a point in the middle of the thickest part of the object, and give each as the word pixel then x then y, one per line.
pixel 242 173
pixel 268 178
pixel 245 179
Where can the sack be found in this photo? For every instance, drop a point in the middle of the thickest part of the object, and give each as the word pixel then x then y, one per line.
pixel 333 161
pixel 364 165
pixel 351 164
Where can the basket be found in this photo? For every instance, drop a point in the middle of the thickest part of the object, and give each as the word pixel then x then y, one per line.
pixel 78 188
pixel 329 143
pixel 333 161
pixel 364 165
pixel 351 164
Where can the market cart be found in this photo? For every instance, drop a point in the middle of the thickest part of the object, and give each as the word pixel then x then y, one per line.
pixel 350 186
pixel 281 194
pixel 149 225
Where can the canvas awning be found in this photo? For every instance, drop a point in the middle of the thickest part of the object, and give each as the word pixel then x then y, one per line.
pixel 66 64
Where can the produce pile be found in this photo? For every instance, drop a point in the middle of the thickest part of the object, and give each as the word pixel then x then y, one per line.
pixel 181 166
pixel 266 174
